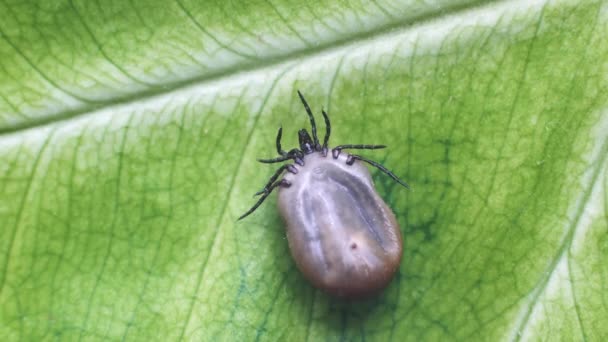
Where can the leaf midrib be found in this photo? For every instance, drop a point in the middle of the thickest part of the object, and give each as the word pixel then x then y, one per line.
pixel 264 63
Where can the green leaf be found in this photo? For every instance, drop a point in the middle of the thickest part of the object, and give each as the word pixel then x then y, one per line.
pixel 129 132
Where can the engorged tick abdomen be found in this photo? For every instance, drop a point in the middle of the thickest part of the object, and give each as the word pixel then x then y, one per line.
pixel 341 234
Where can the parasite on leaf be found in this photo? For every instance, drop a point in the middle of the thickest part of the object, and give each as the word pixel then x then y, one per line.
pixel 342 236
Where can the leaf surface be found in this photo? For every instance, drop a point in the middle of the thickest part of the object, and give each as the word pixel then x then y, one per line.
pixel 129 133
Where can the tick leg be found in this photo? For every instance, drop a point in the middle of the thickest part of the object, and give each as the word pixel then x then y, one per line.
pixel 336 150
pixel 327 132
pixel 281 182
pixel 275 176
pixel 267 190
pixel 279 150
pixel 275 160
pixel 352 157
pixel 313 125
pixel 294 154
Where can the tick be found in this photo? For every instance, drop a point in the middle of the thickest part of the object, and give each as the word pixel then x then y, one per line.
pixel 342 236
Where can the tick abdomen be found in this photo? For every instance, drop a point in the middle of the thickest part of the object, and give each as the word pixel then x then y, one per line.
pixel 342 235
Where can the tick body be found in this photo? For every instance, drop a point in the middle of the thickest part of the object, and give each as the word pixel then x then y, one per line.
pixel 342 236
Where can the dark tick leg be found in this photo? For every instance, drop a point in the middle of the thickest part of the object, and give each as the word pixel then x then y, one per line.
pixel 275 160
pixel 281 182
pixel 352 157
pixel 313 126
pixel 336 150
pixel 275 176
pixel 327 132
pixel 294 154
pixel 279 150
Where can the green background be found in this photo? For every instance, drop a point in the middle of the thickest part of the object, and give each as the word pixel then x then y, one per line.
pixel 129 132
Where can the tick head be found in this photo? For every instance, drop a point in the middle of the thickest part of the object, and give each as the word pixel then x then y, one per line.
pixel 306 143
